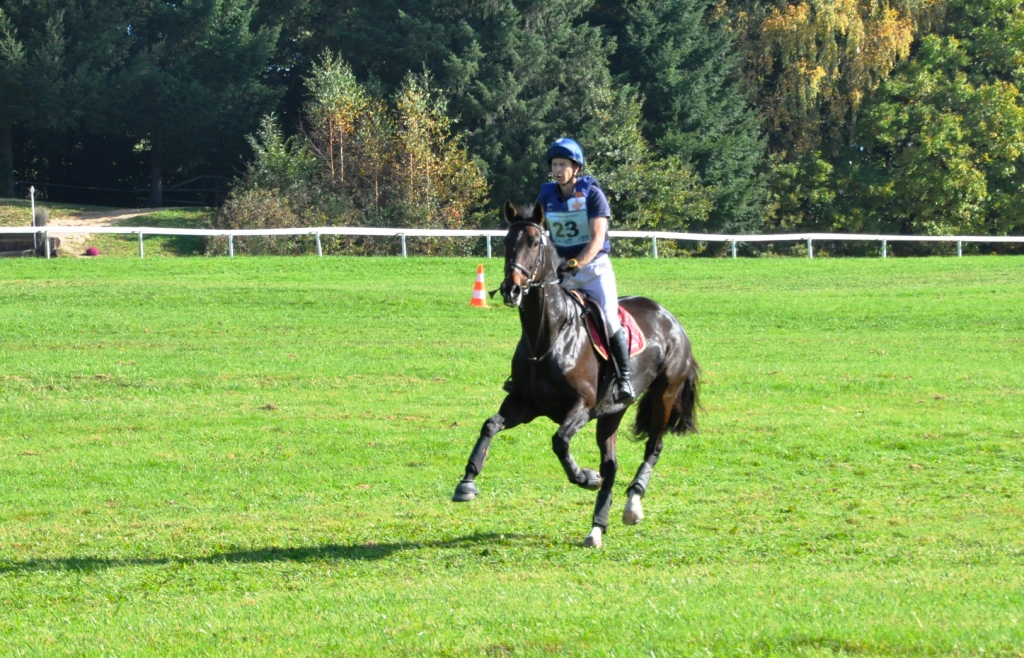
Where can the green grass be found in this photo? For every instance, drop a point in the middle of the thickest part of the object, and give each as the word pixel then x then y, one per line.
pixel 156 246
pixel 856 488
pixel 16 212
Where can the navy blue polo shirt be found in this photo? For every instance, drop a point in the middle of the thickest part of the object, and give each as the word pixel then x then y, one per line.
pixel 569 219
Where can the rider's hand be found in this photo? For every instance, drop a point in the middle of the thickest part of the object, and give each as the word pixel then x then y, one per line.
pixel 570 267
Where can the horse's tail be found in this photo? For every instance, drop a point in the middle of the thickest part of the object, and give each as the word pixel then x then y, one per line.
pixel 683 417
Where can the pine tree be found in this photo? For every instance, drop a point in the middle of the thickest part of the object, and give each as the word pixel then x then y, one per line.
pixel 33 46
pixel 191 83
pixel 518 75
pixel 683 59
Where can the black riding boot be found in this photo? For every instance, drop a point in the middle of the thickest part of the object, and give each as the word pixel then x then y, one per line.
pixel 620 352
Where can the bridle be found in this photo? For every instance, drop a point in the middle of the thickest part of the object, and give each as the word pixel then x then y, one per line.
pixel 531 284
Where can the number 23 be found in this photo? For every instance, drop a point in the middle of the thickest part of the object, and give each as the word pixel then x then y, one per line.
pixel 566 230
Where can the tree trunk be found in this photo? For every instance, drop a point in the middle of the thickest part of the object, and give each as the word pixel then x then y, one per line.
pixel 6 160
pixel 156 180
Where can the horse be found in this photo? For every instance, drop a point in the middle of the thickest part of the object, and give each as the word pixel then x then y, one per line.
pixel 556 373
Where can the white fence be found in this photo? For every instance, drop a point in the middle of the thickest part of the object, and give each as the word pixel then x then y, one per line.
pixel 403 233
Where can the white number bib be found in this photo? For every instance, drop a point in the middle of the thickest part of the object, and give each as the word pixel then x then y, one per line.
pixel 569 229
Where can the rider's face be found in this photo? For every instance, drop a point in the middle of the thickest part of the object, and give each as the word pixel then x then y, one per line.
pixel 563 170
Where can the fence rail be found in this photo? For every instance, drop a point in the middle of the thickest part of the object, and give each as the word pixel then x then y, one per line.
pixel 403 233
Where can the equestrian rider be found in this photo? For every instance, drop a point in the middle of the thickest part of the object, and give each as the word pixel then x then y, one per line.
pixel 577 216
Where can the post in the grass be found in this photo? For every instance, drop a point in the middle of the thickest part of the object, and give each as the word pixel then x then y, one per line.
pixel 488 246
pixel 885 244
pixel 734 249
pixel 319 250
pixel 141 253
pixel 654 245
pixel 35 236
pixel 810 248
pixel 46 236
pixel 404 254
pixel 231 246
pixel 959 248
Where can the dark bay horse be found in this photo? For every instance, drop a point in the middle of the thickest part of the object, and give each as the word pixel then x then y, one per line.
pixel 556 373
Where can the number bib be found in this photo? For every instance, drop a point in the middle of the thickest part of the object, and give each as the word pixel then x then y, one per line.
pixel 569 229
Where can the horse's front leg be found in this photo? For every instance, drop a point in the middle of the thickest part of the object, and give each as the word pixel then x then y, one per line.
pixel 607 434
pixel 574 421
pixel 512 412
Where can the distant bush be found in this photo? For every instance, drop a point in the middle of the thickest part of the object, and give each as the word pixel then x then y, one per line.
pixel 357 162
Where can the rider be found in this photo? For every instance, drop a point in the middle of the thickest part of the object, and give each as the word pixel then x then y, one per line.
pixel 577 216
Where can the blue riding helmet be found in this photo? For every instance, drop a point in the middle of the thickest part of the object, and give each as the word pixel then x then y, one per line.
pixel 563 147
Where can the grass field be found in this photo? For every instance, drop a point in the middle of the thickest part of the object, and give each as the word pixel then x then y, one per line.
pixel 255 456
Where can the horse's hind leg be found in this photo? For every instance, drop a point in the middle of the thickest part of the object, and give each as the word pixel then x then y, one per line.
pixel 512 412
pixel 661 409
pixel 607 433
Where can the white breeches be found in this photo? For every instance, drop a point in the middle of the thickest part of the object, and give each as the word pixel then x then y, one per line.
pixel 597 279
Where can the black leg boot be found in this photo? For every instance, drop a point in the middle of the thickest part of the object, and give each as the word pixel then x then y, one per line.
pixel 620 352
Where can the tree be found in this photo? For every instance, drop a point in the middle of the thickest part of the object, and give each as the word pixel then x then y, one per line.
pixel 814 62
pixel 645 191
pixel 944 139
pixel 32 76
pixel 517 74
pixel 191 84
pixel 436 181
pixel 682 57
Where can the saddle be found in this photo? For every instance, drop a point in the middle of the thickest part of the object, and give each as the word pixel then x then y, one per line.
pixel 597 326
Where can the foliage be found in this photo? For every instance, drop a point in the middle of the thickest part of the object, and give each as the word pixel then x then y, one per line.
pixel 263 450
pixel 35 83
pixel 944 139
pixel 813 62
pixel 682 58
pixel 360 162
pixel 645 192
pixel 190 80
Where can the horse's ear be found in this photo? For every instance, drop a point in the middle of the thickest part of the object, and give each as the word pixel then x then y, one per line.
pixel 510 212
pixel 537 216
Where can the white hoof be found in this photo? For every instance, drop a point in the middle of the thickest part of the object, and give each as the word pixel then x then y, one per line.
pixel 634 512
pixel 593 540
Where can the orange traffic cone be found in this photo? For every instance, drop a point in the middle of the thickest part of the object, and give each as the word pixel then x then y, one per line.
pixel 479 294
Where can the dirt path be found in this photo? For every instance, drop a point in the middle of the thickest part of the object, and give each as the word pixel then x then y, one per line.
pixel 74 244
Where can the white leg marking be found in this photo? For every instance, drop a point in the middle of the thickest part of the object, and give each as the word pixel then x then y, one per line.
pixel 593 540
pixel 634 512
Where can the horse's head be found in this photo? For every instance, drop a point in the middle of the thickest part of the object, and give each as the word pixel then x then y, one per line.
pixel 527 254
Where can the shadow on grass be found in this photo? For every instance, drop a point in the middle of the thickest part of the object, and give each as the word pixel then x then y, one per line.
pixel 328 552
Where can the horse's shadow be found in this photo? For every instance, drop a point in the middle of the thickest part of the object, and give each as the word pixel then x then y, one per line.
pixel 326 552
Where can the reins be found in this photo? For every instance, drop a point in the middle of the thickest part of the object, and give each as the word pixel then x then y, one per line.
pixel 530 285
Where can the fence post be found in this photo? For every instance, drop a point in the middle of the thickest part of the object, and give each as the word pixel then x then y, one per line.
pixel 488 246
pixel 959 248
pixel 654 245
pixel 810 248
pixel 231 246
pixel 141 253
pixel 404 254
pixel 35 236
pixel 319 250
pixel 885 244
pixel 734 249
pixel 46 236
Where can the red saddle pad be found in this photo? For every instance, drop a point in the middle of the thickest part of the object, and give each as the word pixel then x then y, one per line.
pixel 634 336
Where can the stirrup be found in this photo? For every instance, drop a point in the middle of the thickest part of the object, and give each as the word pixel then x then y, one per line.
pixel 624 391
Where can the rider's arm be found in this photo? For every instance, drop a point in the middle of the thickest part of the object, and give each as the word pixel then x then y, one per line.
pixel 598 231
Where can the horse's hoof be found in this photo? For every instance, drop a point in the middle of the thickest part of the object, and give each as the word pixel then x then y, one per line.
pixel 634 512
pixel 594 479
pixel 465 491
pixel 593 540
